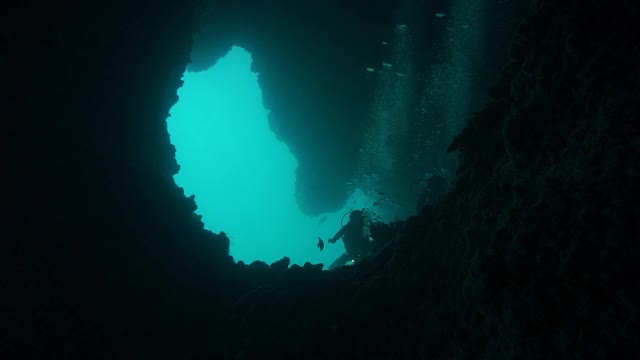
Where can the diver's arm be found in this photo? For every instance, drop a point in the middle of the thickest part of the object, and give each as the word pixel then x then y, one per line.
pixel 337 236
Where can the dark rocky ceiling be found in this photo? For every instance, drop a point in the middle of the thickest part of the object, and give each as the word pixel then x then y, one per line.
pixel 311 61
pixel 528 256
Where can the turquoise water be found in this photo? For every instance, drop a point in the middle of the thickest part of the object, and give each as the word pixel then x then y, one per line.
pixel 242 176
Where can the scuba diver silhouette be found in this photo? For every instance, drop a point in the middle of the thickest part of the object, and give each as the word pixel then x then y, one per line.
pixel 355 236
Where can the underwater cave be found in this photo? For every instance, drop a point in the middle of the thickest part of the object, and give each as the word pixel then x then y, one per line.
pixel 242 176
pixel 184 180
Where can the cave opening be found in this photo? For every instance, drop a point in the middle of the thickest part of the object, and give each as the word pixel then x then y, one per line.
pixel 242 176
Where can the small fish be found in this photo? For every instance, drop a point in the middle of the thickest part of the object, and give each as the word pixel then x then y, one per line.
pixel 377 203
pixel 320 244
pixel 322 220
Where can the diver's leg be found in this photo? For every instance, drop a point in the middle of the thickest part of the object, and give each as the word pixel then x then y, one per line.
pixel 341 261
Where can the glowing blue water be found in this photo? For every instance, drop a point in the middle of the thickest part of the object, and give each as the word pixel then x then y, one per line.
pixel 242 176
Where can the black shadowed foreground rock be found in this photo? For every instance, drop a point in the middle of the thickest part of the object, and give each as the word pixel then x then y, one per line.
pixel 530 255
